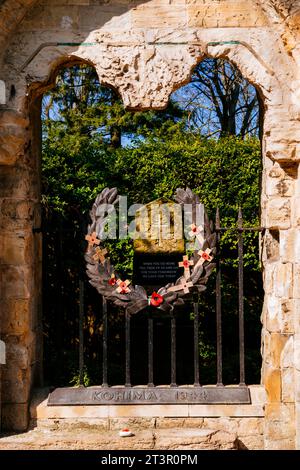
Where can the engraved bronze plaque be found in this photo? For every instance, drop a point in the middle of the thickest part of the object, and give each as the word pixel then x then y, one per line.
pixel 160 226
pixel 156 270
pixel 148 395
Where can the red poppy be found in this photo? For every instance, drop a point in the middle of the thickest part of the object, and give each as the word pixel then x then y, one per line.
pixel 194 229
pixel 125 430
pixel 156 300
pixel 205 256
pixel 186 263
pixel 112 281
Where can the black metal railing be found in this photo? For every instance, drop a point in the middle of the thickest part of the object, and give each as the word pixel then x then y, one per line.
pixel 180 393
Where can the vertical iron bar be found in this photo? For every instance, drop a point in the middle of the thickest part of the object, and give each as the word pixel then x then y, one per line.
pixel 104 343
pixel 127 350
pixel 59 333
pixel 196 345
pixel 241 298
pixel 196 325
pixel 173 351
pixel 150 352
pixel 81 345
pixel 218 304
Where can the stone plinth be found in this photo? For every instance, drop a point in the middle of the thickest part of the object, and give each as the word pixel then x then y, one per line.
pixel 145 51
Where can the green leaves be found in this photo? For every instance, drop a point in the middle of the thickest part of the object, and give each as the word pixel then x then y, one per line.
pixel 90 141
pixel 225 173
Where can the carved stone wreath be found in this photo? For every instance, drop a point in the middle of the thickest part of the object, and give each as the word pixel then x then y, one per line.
pixel 134 298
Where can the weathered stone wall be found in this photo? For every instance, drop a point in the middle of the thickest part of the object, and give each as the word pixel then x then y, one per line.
pixel 19 261
pixel 244 423
pixel 146 49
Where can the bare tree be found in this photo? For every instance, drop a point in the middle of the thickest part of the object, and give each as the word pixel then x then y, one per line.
pixel 220 101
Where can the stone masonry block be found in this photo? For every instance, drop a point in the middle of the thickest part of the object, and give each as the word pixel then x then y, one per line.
pixel 18 355
pixel 15 316
pixel 279 213
pixel 158 16
pixel 297 385
pixel 279 422
pixel 17 247
pixel 272 381
pixel 269 275
pixel 287 352
pixel 15 384
pixel 290 246
pixel 132 423
pixel 15 417
pixel 281 314
pixel 274 345
pixel 13 136
pixel 288 314
pixel 281 187
pixel 283 285
pixel 223 14
pixel 288 385
pixel 250 426
pixel 273 304
pixel 270 246
pixel 296 283
pixel 17 282
pixel 296 210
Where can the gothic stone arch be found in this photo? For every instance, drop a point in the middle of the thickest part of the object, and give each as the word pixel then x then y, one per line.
pixel 145 52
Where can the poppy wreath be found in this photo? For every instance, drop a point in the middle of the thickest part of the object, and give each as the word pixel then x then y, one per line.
pixel 103 276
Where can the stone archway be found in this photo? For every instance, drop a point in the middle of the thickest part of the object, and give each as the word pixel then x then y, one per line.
pixel 124 50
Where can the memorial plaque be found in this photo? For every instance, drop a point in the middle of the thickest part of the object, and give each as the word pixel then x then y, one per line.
pixel 156 270
pixel 160 246
pixel 148 395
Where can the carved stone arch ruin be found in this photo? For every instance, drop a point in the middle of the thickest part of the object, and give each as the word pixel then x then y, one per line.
pixel 145 52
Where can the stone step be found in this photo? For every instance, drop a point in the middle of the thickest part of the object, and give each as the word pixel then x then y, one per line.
pixel 94 439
